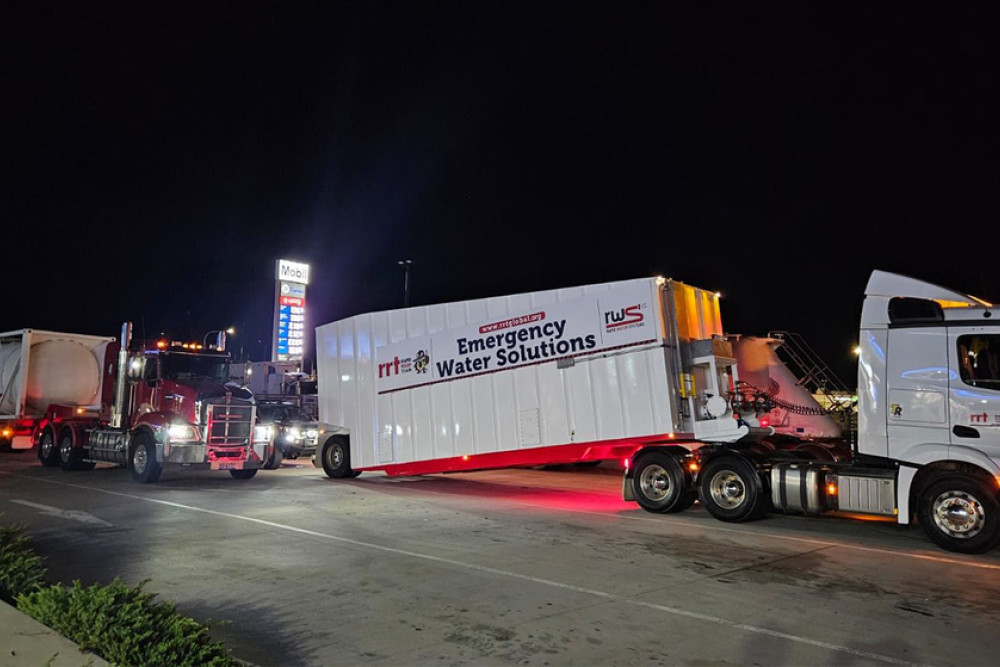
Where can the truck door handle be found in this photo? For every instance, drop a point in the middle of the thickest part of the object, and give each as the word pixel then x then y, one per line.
pixel 965 432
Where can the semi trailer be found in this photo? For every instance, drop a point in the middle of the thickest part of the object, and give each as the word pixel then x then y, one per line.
pixel 88 399
pixel 642 371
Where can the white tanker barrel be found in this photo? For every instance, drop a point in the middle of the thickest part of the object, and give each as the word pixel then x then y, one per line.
pixel 10 365
pixel 62 369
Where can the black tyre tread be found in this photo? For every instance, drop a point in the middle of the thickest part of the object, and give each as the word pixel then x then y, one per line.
pixel 153 469
pixel 274 461
pixel 53 458
pixel 990 535
pixel 759 503
pixel 683 495
pixel 344 470
pixel 71 462
pixel 246 473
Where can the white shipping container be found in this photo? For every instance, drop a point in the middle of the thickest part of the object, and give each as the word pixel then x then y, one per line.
pixel 550 369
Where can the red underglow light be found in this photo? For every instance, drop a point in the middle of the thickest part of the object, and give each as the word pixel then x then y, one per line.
pixel 764 422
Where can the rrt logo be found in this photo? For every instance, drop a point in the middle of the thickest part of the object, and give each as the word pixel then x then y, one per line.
pixel 389 368
pixel 623 317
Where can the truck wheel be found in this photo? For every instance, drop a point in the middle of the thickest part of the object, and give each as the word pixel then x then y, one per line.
pixel 142 462
pixel 70 456
pixel 47 452
pixel 659 484
pixel 243 474
pixel 960 514
pixel 337 459
pixel 731 490
pixel 274 460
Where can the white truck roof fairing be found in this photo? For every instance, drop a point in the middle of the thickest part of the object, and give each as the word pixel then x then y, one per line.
pixel 883 286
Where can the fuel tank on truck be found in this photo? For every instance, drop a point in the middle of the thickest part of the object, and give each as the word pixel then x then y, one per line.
pixel 41 368
pixel 797 413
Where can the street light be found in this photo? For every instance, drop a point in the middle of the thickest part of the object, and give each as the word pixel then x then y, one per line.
pixel 405 263
pixel 220 342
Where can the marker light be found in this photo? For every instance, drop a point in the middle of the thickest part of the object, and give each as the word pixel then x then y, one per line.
pixel 693 466
pixel 831 489
pixel 465 458
pixel 79 411
pixel 7 432
pixel 161 344
pixel 764 422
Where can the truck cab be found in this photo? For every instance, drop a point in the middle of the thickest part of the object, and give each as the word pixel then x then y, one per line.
pixel 172 403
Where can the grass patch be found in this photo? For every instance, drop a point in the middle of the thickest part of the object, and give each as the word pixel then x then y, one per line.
pixel 21 569
pixel 123 624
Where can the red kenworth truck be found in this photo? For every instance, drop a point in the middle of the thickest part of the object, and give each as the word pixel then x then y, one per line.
pixel 84 399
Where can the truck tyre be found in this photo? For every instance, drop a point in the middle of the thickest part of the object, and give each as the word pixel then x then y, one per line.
pixel 274 460
pixel 337 458
pixel 243 474
pixel 960 514
pixel 70 457
pixel 660 485
pixel 48 454
pixel 731 490
pixel 142 460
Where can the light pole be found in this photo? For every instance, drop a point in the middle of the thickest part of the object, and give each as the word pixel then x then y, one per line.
pixel 405 263
pixel 221 343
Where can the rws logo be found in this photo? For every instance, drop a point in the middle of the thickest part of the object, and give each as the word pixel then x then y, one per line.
pixel 624 317
pixel 295 272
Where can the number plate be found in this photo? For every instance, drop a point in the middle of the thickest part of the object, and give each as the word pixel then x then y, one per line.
pixel 227 465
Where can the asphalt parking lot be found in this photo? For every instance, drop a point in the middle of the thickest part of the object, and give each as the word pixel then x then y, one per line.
pixel 537 567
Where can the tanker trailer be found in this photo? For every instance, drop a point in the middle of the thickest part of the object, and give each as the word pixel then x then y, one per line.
pixel 42 368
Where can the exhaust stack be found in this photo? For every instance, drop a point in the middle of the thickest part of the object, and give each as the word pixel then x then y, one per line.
pixel 118 408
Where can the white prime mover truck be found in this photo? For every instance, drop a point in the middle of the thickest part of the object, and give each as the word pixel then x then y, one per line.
pixel 641 370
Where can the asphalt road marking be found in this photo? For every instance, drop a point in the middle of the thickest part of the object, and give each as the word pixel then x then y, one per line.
pixel 675 611
pixel 716 526
pixel 72 515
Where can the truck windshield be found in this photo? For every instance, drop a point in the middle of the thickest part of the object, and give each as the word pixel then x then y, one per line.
pixel 179 367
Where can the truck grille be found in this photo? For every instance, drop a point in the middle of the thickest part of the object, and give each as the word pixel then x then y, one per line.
pixel 229 424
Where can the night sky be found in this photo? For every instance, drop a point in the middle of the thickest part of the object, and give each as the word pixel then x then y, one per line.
pixel 159 157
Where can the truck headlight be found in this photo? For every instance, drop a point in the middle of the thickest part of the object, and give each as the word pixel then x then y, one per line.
pixel 295 433
pixel 183 432
pixel 262 432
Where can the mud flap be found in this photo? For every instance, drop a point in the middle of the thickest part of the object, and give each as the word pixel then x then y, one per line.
pixel 627 493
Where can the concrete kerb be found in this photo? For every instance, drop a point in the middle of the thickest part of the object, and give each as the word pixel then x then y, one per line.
pixel 24 642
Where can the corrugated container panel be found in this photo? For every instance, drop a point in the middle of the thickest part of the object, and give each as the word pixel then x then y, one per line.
pixel 619 395
pixel 484 414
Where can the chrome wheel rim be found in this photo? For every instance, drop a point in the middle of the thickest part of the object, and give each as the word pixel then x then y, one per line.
pixel 654 482
pixel 727 489
pixel 46 446
pixel 958 514
pixel 139 459
pixel 65 449
pixel 336 456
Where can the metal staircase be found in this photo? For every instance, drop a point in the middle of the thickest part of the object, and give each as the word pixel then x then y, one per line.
pixel 817 376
